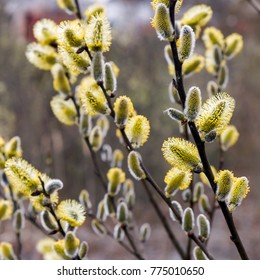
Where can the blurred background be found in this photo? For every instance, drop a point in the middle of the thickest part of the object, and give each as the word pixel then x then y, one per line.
pixel 25 93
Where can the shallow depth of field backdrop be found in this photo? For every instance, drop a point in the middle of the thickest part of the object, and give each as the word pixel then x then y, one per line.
pixel 25 93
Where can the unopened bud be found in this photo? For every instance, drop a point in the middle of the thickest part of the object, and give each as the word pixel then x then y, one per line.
pixel 18 220
pixel 168 54
pixel 71 244
pixel 103 123
pixel 109 209
pixel 204 206
pixel 217 54
pixel 203 226
pixel 198 191
pixel 178 208
pixel 97 67
pixel 110 79
pixel 212 88
pixel 123 109
pixel 119 233
pixel 122 212
pixel 48 221
pixel 96 138
pixel 175 115
pixel 85 124
pixel 130 199
pixel 83 250
pixel 128 186
pixel 173 94
pixel 223 76
pixel 224 181
pixel 117 158
pixel 229 137
pixel 188 220
pixel 53 185
pixel 84 199
pixel 145 232
pixel 186 195
pixel 68 5
pixel 186 43
pixel 134 166
pixel 101 213
pixel 106 153
pixel 211 136
pixel 198 254
pixel 193 103
pixel 98 228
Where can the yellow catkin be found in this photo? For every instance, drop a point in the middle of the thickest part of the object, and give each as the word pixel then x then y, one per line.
pixel 93 10
pixel 45 31
pixel 215 114
pixel 64 110
pixel 23 176
pixel 198 15
pixel 234 45
pixel 137 130
pixel 181 153
pixel 123 108
pixel 193 65
pixel 213 36
pixel 238 192
pixel 41 56
pixel 60 80
pixel 76 63
pixel 98 33
pixel 92 98
pixel 229 137
pixel 224 180
pixel 71 33
pixel 176 179
pixel 72 212
pixel 67 5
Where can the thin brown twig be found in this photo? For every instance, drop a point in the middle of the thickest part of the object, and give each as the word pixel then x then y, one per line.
pixel 254 5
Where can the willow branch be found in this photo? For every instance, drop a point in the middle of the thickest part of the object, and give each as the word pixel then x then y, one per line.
pixel 201 145
pixel 254 5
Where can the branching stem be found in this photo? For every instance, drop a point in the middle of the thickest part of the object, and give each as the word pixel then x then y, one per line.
pixel 201 145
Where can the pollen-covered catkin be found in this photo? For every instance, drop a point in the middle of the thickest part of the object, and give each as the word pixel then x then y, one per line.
pixel 224 181
pixel 238 192
pixel 229 137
